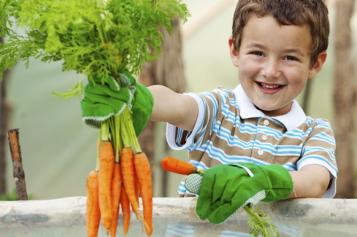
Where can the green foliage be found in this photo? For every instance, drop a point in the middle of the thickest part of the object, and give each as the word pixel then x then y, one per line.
pixel 12 196
pixel 97 38
pixel 9 196
pixel 260 223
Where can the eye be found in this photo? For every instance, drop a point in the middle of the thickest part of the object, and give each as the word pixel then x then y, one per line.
pixel 257 53
pixel 290 58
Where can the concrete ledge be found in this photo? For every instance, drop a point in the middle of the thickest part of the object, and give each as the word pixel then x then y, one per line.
pixel 71 211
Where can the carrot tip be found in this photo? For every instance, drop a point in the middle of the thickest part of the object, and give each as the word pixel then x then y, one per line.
pixel 147 228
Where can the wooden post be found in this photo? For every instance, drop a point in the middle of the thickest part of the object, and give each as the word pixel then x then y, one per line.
pixel 18 171
pixel 343 98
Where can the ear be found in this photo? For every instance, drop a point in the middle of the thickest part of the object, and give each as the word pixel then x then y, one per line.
pixel 233 52
pixel 316 67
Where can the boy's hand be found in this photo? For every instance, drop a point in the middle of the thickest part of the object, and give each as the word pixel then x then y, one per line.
pixel 101 101
pixel 225 188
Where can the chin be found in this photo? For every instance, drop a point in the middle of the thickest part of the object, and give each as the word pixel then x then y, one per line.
pixel 264 108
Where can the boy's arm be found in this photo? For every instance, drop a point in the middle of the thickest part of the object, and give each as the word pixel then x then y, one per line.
pixel 178 109
pixel 311 181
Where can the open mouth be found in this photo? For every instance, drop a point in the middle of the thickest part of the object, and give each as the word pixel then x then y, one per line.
pixel 269 88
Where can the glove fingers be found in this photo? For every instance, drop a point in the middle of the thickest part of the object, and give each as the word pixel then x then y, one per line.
pixel 102 112
pixel 221 213
pixel 231 187
pixel 203 206
pixel 219 188
pixel 102 90
pixel 112 84
pixel 233 200
pixel 97 99
pixel 225 210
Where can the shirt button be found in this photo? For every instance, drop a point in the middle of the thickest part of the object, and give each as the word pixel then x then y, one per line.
pixel 264 137
pixel 260 152
pixel 266 122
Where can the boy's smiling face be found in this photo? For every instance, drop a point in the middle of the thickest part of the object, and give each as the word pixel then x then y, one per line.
pixel 274 63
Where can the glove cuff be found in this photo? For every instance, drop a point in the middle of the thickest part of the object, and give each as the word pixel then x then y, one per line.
pixel 279 181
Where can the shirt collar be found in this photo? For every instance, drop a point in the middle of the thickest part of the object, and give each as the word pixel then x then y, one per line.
pixel 290 120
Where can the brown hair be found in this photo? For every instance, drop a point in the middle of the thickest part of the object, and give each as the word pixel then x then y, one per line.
pixel 312 13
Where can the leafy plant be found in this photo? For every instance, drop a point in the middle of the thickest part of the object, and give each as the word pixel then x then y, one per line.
pixel 97 38
pixel 9 196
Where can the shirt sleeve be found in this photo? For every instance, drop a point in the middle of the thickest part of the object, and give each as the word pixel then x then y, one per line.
pixel 180 139
pixel 319 149
pixel 198 140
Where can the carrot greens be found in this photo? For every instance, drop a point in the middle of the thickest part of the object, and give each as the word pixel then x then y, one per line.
pixel 100 41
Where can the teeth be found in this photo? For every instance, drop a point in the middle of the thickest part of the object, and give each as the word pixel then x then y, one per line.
pixel 269 86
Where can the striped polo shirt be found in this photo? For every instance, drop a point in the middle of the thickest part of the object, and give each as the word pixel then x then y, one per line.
pixel 230 129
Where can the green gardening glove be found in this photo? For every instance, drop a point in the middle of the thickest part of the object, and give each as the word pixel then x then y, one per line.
pixel 226 188
pixel 107 98
pixel 142 107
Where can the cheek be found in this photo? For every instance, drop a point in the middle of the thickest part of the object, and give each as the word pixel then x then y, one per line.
pixel 248 68
pixel 297 78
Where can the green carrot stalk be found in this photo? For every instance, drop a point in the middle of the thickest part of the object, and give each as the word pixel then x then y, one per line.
pixel 259 223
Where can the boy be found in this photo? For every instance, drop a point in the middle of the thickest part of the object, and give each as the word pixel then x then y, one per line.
pixel 277 45
pixel 254 142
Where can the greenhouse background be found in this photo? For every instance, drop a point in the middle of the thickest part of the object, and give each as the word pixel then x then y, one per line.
pixel 59 150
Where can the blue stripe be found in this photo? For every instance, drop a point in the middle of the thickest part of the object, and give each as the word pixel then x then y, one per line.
pixel 321 123
pixel 227 233
pixel 312 149
pixel 198 164
pixel 214 109
pixel 324 137
pixel 279 150
pixel 180 230
pixel 252 129
pixel 290 166
pixel 219 154
pixel 317 157
pixel 179 137
pixel 181 187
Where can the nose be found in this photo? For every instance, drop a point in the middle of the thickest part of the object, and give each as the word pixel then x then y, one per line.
pixel 271 69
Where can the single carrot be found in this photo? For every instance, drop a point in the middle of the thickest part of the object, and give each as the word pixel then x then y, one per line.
pixel 177 166
pixel 125 207
pixel 137 186
pixel 116 189
pixel 93 212
pixel 128 173
pixel 106 168
pixel 143 171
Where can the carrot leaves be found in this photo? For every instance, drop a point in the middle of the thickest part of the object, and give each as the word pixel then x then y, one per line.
pixel 97 38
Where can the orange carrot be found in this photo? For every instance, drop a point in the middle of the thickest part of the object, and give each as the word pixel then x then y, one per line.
pixel 128 174
pixel 177 166
pixel 106 168
pixel 137 186
pixel 93 212
pixel 125 207
pixel 143 171
pixel 116 188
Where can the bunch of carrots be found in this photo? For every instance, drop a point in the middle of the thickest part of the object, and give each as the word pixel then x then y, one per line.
pixel 122 175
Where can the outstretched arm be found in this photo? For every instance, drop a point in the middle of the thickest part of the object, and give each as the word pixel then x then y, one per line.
pixel 178 109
